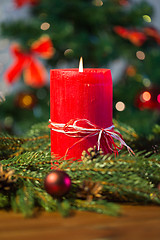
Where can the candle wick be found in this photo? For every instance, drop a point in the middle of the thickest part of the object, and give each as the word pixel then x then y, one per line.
pixel 81 65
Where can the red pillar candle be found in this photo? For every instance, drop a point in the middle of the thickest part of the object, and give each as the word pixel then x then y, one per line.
pixel 79 95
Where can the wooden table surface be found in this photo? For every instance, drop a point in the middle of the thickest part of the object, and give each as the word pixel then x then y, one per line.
pixel 135 222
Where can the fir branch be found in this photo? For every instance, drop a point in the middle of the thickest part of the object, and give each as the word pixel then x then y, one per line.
pixel 124 178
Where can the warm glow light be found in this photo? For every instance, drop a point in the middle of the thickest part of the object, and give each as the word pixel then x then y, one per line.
pixel 68 52
pixel 147 18
pixel 131 71
pixel 45 26
pixel 97 3
pixel 158 98
pixel 140 55
pixel 146 82
pixel 27 100
pixel 120 106
pixel 81 65
pixel 145 97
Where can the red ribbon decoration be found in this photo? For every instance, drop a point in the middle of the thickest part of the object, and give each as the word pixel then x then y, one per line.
pixel 153 33
pixel 83 128
pixel 20 3
pixel 137 37
pixel 35 74
pixel 134 36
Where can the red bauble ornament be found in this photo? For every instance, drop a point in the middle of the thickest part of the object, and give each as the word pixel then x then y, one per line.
pixel 148 98
pixel 57 183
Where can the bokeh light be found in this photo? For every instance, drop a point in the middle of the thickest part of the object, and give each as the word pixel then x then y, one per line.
pixel 147 18
pixel 45 26
pixel 145 96
pixel 146 82
pixel 140 55
pixel 37 111
pixel 43 15
pixel 131 71
pixel 158 98
pixel 27 100
pixel 120 106
pixel 8 121
pixel 97 3
pixel 68 52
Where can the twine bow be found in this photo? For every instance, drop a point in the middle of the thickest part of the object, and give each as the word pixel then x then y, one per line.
pixel 75 128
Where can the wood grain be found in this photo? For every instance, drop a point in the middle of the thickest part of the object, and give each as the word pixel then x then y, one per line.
pixel 135 222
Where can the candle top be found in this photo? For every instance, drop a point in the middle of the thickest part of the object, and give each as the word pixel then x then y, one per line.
pixel 84 70
pixel 89 75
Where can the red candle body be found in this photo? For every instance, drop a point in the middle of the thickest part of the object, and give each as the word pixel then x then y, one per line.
pixel 82 95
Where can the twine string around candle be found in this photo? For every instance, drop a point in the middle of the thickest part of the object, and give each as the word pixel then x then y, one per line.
pixel 73 129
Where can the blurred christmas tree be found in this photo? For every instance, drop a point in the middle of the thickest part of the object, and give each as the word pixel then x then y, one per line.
pixel 100 31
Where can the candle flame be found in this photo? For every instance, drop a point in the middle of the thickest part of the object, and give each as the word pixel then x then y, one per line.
pixel 81 65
